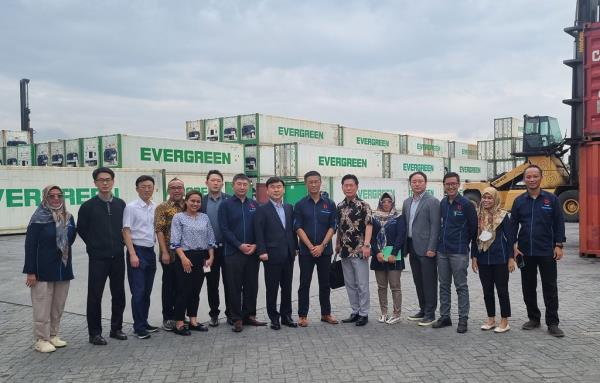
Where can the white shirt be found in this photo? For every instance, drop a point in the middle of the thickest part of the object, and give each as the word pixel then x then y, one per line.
pixel 139 218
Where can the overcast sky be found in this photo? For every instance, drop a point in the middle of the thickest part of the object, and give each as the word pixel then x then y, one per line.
pixel 438 68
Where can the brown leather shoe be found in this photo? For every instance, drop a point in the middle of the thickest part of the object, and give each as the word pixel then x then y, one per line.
pixel 302 321
pixel 251 321
pixel 237 326
pixel 329 319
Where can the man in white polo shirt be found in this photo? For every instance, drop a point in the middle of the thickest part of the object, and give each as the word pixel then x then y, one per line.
pixel 139 236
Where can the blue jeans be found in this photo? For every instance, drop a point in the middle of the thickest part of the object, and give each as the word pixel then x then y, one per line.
pixel 141 280
pixel 453 266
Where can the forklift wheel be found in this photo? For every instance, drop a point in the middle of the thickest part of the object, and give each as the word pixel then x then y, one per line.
pixel 569 202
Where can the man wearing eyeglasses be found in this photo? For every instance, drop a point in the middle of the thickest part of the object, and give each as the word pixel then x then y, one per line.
pixel 457 232
pixel 99 224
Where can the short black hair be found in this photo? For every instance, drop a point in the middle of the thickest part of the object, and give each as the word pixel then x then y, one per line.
pixel 274 180
pixel 191 193
pixel 240 176
pixel 214 171
pixel 312 173
pixel 350 177
pixel 143 178
pixel 450 175
pixel 532 166
pixel 417 174
pixel 103 170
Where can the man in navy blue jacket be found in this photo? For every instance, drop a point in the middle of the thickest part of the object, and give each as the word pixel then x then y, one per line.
pixel 458 230
pixel 276 246
pixel 540 242
pixel 236 217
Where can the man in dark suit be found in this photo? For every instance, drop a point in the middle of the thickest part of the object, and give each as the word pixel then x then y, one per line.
pixel 422 215
pixel 276 245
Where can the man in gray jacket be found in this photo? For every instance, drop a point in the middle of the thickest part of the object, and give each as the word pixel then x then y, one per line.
pixel 422 215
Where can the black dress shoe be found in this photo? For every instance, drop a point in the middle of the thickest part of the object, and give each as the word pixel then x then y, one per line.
pixel 237 326
pixel 118 334
pixel 98 340
pixel 289 322
pixel 275 325
pixel 254 322
pixel 198 327
pixel 351 319
pixel 442 322
pixel 214 321
pixel 361 321
pixel 182 331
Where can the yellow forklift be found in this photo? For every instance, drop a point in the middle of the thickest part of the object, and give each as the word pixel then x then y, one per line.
pixel 543 146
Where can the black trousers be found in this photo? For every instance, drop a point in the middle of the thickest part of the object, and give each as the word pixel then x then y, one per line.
pixel 212 285
pixel 99 269
pixel 548 274
pixel 279 275
pixel 169 289
pixel 490 276
pixel 424 272
pixel 242 283
pixel 189 285
pixel 307 265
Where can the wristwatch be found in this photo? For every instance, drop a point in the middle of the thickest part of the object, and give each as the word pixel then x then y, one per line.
pixel 368 245
pixel 559 245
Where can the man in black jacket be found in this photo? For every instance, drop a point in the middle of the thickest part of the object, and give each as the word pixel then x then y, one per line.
pixel 276 245
pixel 99 224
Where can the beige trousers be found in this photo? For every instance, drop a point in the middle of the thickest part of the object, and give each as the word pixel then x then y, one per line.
pixel 48 302
pixel 391 277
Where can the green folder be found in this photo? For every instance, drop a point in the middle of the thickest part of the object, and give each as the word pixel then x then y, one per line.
pixel 387 251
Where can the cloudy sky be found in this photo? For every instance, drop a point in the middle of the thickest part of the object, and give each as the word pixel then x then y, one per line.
pixel 438 68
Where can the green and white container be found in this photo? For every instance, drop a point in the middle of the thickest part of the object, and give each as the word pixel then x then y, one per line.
pixel 183 156
pixel 400 166
pixel 371 189
pixel 294 160
pixel 73 155
pixel 21 190
pixel 369 139
pixel 57 153
pixel 420 146
pixel 212 129
pixel 259 160
pixel 486 150
pixel 42 154
pixel 470 170
pixel 462 150
pixel 91 151
pixel 194 130
pixel 269 130
pixel 14 138
pixel 229 129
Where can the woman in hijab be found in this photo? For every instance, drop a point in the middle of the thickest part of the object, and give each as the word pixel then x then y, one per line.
pixel 50 234
pixel 387 240
pixel 493 258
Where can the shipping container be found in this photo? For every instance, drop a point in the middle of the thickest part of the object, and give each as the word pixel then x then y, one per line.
pixel 294 160
pixel 503 166
pixel 1 155
pixel 21 190
pixel 503 148
pixel 268 130
pixel 589 199
pixel 485 150
pixel 73 154
pixel 57 153
pixel 11 156
pixel 469 170
pixel 419 146
pixel 192 181
pixel 591 126
pixel 194 130
pixel 462 150
pixel 259 160
pixel 371 189
pixel 212 128
pixel 184 156
pixel 14 138
pixel 91 150
pixel 508 127
pixel 42 154
pixel 400 166
pixel 369 139
pixel 230 129
pixel 25 154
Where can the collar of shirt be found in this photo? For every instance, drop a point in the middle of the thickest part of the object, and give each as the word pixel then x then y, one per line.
pixel 278 205
pixel 419 197
pixel 210 196
pixel 172 203
pixel 105 200
pixel 140 203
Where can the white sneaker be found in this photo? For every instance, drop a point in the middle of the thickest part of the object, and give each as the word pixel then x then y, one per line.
pixel 382 318
pixel 57 342
pixel 502 329
pixel 393 319
pixel 44 346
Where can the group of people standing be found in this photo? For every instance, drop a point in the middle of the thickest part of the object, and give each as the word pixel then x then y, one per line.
pixel 208 236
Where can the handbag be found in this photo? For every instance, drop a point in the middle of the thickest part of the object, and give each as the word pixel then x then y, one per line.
pixel 336 273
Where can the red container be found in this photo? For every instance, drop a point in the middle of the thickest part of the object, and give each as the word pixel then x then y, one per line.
pixel 261 193
pixel 589 199
pixel 591 128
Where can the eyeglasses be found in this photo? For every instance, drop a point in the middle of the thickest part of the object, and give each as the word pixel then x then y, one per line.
pixel 104 180
pixel 55 196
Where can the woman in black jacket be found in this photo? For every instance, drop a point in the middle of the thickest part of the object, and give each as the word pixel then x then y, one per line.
pixel 389 230
pixel 493 257
pixel 50 234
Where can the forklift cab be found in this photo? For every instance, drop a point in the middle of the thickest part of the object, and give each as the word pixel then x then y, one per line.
pixel 540 134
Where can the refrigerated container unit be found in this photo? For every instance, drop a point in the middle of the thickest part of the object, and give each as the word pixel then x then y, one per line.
pixel 369 139
pixel 230 128
pixel 124 151
pixel 469 170
pixel 212 128
pixel 14 138
pixel 73 152
pixel 194 130
pixel 464 150
pixel 259 160
pixel 42 154
pixel 23 187
pixel 508 127
pixel 261 129
pixel 420 146
pixel 401 166
pixel 1 155
pixel 21 155
pixel 589 190
pixel 295 159
pixel 57 153
pixel 485 150
pixel 11 156
pixel 91 150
